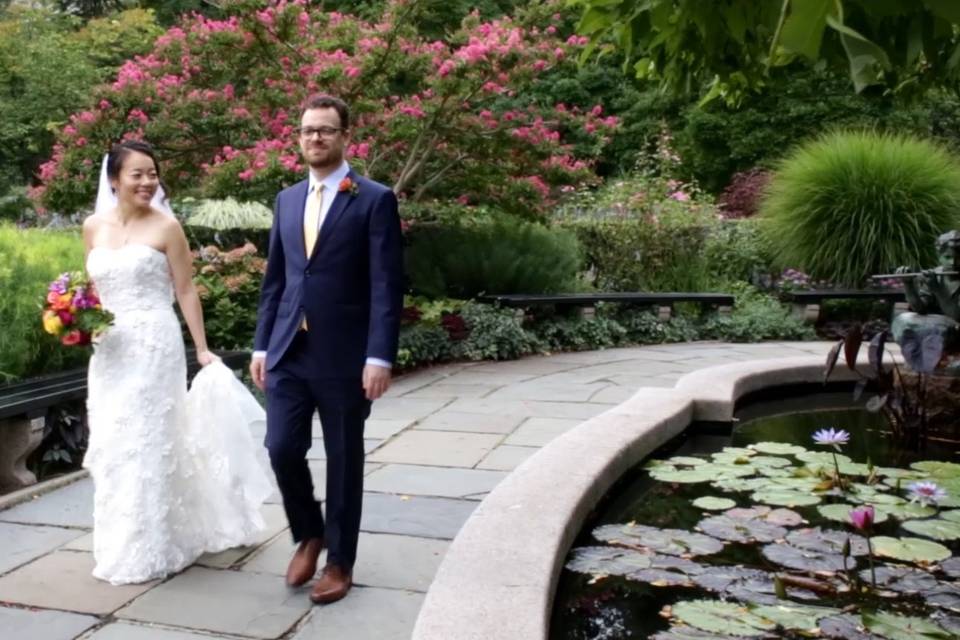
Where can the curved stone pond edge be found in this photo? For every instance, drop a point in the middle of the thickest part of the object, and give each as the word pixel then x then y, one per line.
pixel 499 576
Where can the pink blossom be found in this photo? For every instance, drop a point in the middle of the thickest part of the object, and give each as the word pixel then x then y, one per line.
pixel 597 110
pixel 228 92
pixel 362 150
pixel 680 196
pixel 81 141
pixel 352 72
pixel 862 517
pixel 246 175
pixel 446 68
pixel 463 199
pixel 559 53
pixel 551 29
pixel 70 130
pixel 104 105
pixel 538 184
pixel 539 65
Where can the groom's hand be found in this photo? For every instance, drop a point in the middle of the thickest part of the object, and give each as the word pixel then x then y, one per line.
pixel 258 371
pixel 376 381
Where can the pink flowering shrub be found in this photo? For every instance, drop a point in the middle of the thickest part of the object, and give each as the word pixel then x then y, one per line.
pixel 433 119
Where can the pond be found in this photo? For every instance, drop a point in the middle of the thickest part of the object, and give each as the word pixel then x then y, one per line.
pixel 745 532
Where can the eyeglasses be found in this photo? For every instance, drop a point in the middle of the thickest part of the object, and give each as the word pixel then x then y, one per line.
pixel 323 132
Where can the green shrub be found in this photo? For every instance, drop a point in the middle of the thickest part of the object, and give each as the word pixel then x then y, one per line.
pixel 849 205
pixel 717 141
pixel 228 283
pixel 29 260
pixel 464 261
pixel 422 344
pixel 579 334
pixel 494 334
pixel 755 317
pixel 643 327
pixel 736 250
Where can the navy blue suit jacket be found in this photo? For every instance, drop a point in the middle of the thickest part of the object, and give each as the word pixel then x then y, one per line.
pixel 350 289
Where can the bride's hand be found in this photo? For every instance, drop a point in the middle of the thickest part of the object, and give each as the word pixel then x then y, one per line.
pixel 206 357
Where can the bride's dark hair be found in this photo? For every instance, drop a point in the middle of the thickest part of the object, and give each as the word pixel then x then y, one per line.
pixel 119 152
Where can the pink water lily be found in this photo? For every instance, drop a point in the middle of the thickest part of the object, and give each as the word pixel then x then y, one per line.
pixel 862 517
pixel 926 493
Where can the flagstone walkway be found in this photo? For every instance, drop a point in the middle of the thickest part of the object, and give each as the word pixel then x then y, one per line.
pixel 440 441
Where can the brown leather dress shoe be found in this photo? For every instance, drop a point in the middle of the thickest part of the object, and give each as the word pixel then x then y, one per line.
pixel 332 585
pixel 303 564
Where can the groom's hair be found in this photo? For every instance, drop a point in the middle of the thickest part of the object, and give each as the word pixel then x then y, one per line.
pixel 323 101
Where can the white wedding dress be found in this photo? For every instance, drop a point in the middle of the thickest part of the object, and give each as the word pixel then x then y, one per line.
pixel 175 474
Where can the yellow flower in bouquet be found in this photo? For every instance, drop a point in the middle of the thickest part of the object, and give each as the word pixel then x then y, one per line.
pixel 73 311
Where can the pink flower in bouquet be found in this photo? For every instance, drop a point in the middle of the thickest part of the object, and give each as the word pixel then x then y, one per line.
pixel 74 337
pixel 65 317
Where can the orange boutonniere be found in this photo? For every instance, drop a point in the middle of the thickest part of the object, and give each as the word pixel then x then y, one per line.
pixel 349 186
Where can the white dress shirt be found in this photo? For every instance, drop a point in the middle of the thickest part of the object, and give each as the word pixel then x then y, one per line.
pixel 331 185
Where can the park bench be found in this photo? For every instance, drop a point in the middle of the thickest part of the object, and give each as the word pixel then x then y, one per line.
pixel 586 302
pixel 24 406
pixel 806 303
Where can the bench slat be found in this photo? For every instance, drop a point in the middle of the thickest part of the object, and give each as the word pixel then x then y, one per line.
pixel 514 300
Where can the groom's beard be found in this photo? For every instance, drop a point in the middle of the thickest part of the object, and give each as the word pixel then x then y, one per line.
pixel 326 159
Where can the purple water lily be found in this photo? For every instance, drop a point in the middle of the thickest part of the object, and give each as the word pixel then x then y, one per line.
pixel 832 437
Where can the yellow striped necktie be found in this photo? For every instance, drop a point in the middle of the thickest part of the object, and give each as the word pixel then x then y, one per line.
pixel 311 219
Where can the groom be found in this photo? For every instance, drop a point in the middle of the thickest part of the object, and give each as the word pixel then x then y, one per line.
pixel 327 331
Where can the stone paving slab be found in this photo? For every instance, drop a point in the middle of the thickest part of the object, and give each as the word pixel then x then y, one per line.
pixel 26 624
pixel 555 392
pixel 406 408
pixel 367 614
pixel 382 428
pixel 22 543
pixel 451 390
pixel 317 452
pixel 432 481
pixel 506 458
pixel 62 580
pixel 390 561
pixel 447 448
pixel 446 420
pixel 525 408
pixel 414 515
pixel 235 602
pixel 536 432
pixel 122 630
pixel 276 521
pixel 70 506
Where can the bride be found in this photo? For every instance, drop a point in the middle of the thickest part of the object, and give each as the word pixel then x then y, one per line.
pixel 175 473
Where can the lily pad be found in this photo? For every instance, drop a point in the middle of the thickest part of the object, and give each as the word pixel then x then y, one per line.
pixel 784 498
pixel 840 512
pixel 749 585
pixel 951 567
pixel 776 472
pixel 854 469
pixel 688 461
pixel 713 503
pixel 720 617
pixel 827 540
pixel 845 627
pixel 905 580
pixel 937 468
pixel 784 518
pixel 736 485
pixel 798 617
pixel 909 549
pixel 739 451
pixel 897 627
pixel 661 578
pixel 936 528
pixel 906 511
pixel 822 457
pixel 878 499
pixel 683 632
pixel 721 471
pixel 674 542
pixel 953 515
pixel 946 596
pixel 608 561
pixel 804 484
pixel 777 448
pixel 683 476
pixel 793 557
pixel 725 457
pixel 769 461
pixel 738 530
pixel 903 474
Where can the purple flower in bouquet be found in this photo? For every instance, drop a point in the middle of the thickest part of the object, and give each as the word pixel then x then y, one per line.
pixel 60 285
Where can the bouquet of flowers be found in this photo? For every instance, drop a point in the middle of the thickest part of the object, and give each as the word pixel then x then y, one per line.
pixel 73 312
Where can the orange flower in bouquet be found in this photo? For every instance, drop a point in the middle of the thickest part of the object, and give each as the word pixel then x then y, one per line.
pixel 73 312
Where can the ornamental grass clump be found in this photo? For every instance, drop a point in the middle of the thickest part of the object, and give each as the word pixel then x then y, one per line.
pixel 852 204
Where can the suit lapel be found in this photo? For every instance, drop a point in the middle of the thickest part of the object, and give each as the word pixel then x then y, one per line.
pixel 341 201
pixel 295 217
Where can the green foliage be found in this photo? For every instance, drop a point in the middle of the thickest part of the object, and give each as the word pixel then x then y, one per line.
pixel 422 344
pixel 636 237
pixel 229 287
pixel 503 256
pixel 15 206
pixel 230 214
pixel 580 334
pixel 849 205
pixel 494 334
pixel 716 141
pixel 736 250
pixel 110 40
pixel 755 317
pixel 30 260
pixel 726 49
pixel 643 327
